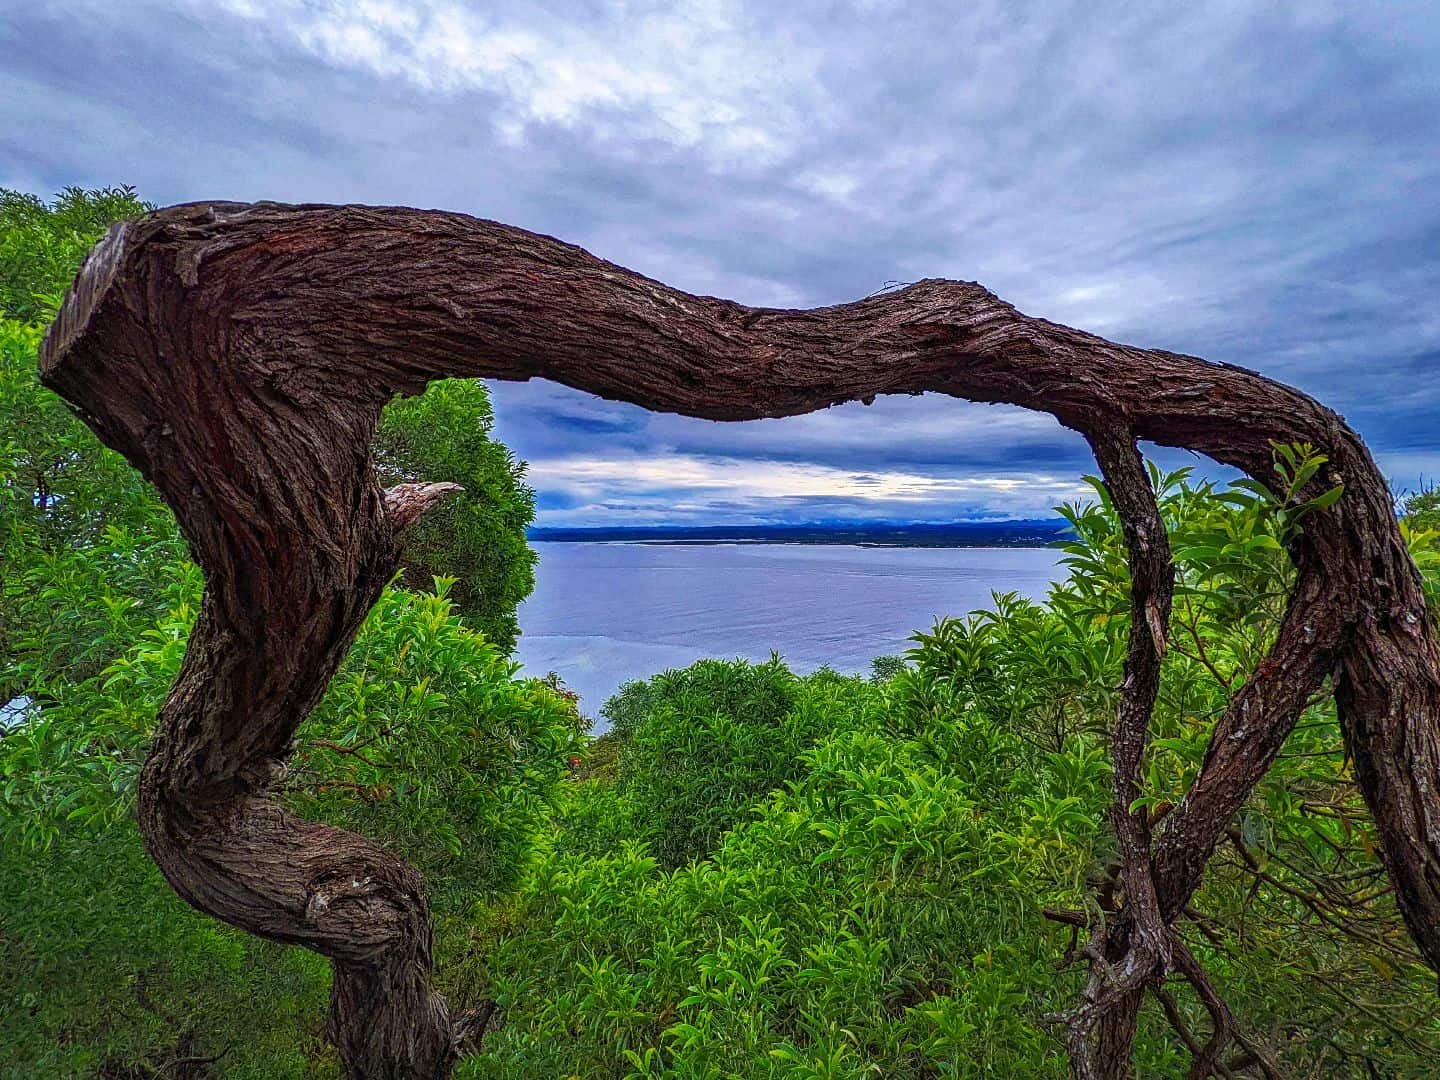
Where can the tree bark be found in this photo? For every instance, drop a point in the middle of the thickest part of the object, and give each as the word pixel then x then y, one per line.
pixel 239 355
pixel 1128 957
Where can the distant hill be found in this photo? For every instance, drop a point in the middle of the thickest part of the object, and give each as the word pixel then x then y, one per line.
pixel 889 534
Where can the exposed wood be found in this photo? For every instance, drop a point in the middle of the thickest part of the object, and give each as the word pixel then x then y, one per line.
pixel 239 355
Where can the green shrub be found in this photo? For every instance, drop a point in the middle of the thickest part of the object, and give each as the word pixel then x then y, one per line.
pixel 41 244
pixel 426 738
pixel 877 910
pixel 863 920
pixel 104 971
pixel 476 536
pixel 1422 508
pixel 757 874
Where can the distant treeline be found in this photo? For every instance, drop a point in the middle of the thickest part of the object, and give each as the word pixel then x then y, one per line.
pixel 953 534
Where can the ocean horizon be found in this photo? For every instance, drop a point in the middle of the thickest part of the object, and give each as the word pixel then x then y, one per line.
pixel 606 612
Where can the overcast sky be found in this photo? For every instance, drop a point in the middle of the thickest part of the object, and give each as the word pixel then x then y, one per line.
pixel 1251 182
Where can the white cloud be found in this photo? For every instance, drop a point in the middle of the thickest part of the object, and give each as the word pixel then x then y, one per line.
pixel 1241 180
pixel 689 74
pixel 669 486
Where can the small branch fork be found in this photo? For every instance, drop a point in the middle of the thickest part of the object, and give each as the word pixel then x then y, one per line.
pixel 404 503
pixel 1117 1004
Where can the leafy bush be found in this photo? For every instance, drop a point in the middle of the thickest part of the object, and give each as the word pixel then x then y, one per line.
pixel 700 745
pixel 105 972
pixel 1422 508
pixel 863 920
pixel 757 874
pixel 476 536
pixel 82 536
pixel 426 738
pixel 879 910
pixel 41 244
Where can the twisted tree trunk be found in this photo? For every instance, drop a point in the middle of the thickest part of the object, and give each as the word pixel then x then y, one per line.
pixel 239 355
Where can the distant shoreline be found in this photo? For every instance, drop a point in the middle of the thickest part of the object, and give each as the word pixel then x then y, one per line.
pixel 796 543
pixel 1033 534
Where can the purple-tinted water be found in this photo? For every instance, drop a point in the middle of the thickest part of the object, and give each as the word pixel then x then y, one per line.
pixel 604 613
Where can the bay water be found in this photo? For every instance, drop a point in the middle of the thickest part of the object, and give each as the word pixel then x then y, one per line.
pixel 604 613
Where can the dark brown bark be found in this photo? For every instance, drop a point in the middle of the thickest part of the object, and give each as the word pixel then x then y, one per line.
pixel 239 355
pixel 1129 956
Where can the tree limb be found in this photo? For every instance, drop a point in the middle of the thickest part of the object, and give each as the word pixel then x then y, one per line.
pixel 240 355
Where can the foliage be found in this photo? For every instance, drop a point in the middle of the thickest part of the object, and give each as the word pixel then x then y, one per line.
pixel 862 922
pixel 1420 526
pixel 41 244
pixel 81 533
pixel 426 738
pixel 1422 508
pixel 701 745
pixel 105 972
pixel 476 536
pixel 755 874
pixel 885 668
pixel 879 910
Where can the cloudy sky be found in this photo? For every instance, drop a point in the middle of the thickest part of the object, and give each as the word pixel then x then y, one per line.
pixel 1251 182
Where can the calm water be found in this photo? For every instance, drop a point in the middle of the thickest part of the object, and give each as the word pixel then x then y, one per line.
pixel 605 613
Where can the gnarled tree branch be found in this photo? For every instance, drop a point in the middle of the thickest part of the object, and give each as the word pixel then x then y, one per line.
pixel 1128 955
pixel 239 355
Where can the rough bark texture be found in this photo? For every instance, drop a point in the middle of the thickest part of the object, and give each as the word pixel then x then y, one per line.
pixel 239 355
pixel 1129 956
